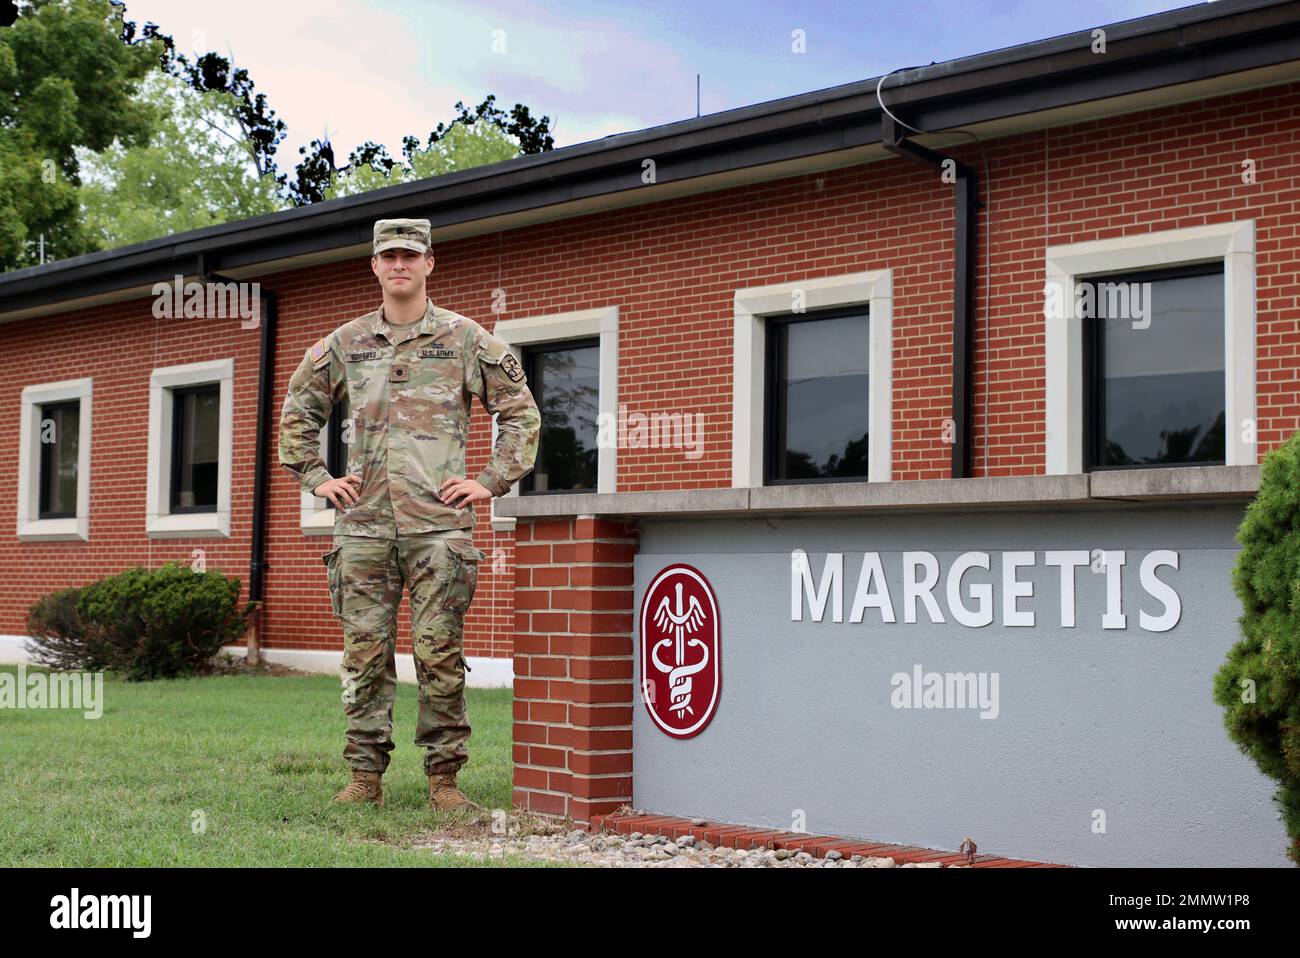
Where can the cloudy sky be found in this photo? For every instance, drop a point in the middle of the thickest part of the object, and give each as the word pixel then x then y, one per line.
pixel 381 69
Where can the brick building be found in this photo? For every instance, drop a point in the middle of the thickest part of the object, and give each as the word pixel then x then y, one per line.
pixel 796 308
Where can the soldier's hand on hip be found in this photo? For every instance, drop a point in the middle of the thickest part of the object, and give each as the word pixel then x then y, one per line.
pixel 458 492
pixel 345 488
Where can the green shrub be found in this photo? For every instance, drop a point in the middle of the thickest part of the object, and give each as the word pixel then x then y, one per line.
pixel 1259 685
pixel 144 623
pixel 60 638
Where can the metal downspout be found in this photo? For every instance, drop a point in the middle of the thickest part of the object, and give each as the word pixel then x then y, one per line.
pixel 965 237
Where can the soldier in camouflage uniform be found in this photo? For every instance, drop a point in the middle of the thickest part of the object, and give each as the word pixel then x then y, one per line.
pixel 408 370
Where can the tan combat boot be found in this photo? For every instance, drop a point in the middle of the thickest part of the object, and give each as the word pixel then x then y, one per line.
pixel 364 787
pixel 445 796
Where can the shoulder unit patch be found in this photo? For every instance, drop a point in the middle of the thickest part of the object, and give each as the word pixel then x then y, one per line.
pixel 495 352
pixel 512 367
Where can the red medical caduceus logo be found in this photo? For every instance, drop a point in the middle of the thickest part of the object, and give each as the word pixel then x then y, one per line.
pixel 681 650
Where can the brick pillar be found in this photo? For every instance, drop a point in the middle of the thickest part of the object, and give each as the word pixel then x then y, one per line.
pixel 573 665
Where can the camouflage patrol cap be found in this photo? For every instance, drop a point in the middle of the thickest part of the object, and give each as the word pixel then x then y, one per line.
pixel 402 234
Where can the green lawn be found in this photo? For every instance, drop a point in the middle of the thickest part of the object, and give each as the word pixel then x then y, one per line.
pixel 259 756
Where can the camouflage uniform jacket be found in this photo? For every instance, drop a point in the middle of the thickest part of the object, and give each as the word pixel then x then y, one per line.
pixel 408 396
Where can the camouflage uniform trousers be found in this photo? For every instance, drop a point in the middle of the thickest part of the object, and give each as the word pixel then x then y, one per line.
pixel 366 576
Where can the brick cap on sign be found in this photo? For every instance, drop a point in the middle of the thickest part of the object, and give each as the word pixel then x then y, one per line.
pixel 748 836
pixel 1079 490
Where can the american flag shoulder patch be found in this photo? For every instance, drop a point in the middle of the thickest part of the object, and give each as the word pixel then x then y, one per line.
pixel 319 351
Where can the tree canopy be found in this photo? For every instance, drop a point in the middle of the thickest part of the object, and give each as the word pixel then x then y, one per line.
pixel 109 136
pixel 67 80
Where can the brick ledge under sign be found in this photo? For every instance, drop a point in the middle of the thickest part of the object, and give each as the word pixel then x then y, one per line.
pixel 748 836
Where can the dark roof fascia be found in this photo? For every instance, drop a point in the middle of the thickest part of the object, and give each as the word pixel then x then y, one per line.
pixel 1179 46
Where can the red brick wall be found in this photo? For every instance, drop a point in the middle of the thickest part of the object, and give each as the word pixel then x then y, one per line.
pixel 1143 172
pixel 673 268
pixel 117 346
pixel 573 666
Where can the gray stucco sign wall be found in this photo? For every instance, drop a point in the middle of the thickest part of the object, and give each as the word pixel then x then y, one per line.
pixel 1092 744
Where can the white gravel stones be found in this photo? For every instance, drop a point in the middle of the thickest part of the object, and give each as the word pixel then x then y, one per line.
pixel 544 840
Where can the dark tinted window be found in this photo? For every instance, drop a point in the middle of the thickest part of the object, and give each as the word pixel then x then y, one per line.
pixel 338 433
pixel 1156 379
pixel 196 429
pixel 565 382
pixel 60 434
pixel 818 396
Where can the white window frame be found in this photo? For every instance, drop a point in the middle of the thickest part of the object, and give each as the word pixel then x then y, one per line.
pixel 1233 243
pixel 32 528
pixel 159 522
pixel 601 321
pixel 752 306
pixel 315 515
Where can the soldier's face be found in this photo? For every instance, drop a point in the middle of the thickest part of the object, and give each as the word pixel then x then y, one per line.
pixel 402 272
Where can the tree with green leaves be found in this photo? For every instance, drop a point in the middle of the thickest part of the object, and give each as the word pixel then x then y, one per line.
pixel 1259 685
pixel 461 147
pixel 159 159
pixel 486 135
pixel 198 170
pixel 246 108
pixel 67 80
